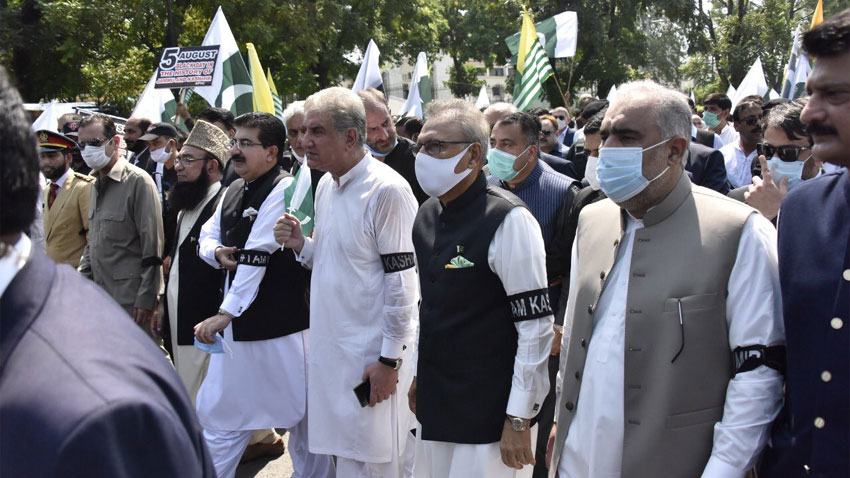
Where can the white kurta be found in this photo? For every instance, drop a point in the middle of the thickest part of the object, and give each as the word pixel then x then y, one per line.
pixel 594 444
pixel 358 311
pixel 191 363
pixel 728 135
pixel 738 164
pixel 263 384
pixel 517 255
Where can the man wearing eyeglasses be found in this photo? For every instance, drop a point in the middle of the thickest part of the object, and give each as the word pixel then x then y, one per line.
pixel 739 155
pixel 549 137
pixel 565 132
pixel 124 253
pixel 257 381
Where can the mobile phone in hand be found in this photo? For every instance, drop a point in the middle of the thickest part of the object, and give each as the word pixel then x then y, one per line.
pixel 363 391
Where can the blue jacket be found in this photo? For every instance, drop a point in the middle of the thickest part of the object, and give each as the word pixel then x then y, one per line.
pixel 812 434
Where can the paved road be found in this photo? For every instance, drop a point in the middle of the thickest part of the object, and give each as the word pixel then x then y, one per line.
pixel 280 467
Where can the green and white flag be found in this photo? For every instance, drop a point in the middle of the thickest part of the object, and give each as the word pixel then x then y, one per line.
pixel 533 66
pixel 420 89
pixel 155 104
pixel 231 86
pixel 558 35
pixel 299 198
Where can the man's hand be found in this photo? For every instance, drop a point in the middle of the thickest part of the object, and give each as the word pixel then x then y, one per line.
pixel 142 316
pixel 411 396
pixel 182 111
pixel 166 266
pixel 224 256
pixel 156 320
pixel 383 381
pixel 205 331
pixel 556 342
pixel 550 445
pixel 287 233
pixel 764 195
pixel 516 447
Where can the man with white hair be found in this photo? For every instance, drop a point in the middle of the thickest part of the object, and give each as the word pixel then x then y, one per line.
pixel 361 254
pixel 293 121
pixel 673 331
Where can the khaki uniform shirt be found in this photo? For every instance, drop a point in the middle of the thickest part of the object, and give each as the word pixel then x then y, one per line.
pixel 125 237
pixel 66 223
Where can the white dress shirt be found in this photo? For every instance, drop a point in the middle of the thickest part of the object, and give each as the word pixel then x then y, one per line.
pixel 13 261
pixel 728 135
pixel 718 143
pixel 738 164
pixel 358 311
pixel 594 444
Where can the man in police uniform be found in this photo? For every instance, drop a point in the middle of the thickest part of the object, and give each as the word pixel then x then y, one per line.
pixel 66 200
pixel 486 321
pixel 264 314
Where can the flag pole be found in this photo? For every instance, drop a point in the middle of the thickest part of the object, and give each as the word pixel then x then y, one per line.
pixel 558 84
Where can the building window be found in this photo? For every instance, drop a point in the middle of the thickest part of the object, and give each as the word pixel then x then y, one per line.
pixel 406 89
pixel 498 72
pixel 481 72
pixel 497 92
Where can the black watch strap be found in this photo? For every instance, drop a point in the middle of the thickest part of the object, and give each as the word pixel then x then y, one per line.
pixel 394 364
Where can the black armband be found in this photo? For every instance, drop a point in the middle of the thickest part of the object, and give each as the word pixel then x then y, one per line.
pixel 752 356
pixel 397 262
pixel 250 257
pixel 151 261
pixel 533 304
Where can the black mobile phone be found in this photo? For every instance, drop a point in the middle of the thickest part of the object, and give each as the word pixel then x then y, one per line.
pixel 363 391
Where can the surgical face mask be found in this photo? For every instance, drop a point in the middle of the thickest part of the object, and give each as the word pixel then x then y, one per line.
pixel 620 172
pixel 95 157
pixel 436 176
pixel 710 119
pixel 501 164
pixel 590 172
pixel 561 124
pixel 793 170
pixel 161 155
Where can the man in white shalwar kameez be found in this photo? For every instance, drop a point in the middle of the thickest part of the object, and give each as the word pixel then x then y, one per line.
pixel 364 289
pixel 259 381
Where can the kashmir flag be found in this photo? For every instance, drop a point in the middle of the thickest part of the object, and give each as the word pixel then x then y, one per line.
pixel 483 100
pixel 299 199
pixel 262 98
pixel 532 66
pixel 156 104
pixel 558 35
pixel 278 105
pixel 817 17
pixel 420 89
pixel 788 80
pixel 752 84
pixel 369 75
pixel 231 86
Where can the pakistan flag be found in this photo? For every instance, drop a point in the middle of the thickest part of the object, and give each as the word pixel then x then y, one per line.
pixel 231 87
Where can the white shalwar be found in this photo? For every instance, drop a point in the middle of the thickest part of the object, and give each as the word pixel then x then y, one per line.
pixel 191 363
pixel 517 255
pixel 358 313
pixel 594 444
pixel 261 383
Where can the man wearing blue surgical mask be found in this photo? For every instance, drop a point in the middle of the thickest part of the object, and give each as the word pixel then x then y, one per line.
pixel 674 357
pixel 786 160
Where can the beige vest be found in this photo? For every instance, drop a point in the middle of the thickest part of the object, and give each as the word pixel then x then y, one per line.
pixel 683 256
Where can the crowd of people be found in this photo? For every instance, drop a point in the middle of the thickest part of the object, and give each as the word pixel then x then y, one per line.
pixel 636 289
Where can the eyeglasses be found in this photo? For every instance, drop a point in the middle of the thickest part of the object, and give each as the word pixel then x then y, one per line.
pixel 91 142
pixel 564 118
pixel 186 160
pixel 752 120
pixel 788 153
pixel 243 143
pixel 546 133
pixel 436 147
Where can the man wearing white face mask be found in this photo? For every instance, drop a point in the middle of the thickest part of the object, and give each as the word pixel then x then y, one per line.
pixel 486 320
pixel 673 332
pixel 124 253
pixel 161 139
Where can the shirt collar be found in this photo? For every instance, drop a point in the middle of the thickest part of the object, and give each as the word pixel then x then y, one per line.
pixel 61 181
pixel 117 171
pixel 669 204
pixel 358 170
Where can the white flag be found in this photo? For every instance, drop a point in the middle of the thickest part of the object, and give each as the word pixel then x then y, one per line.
pixel 420 89
pixel 483 100
pixel 752 84
pixel 49 118
pixel 369 75
pixel 231 87
pixel 611 93
pixel 155 104
pixel 730 92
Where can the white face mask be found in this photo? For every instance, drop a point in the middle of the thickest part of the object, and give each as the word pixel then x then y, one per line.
pixel 590 172
pixel 160 155
pixel 95 157
pixel 562 124
pixel 300 159
pixel 436 176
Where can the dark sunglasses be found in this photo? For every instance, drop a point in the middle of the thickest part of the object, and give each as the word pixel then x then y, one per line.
pixel 788 153
pixel 91 142
pixel 752 120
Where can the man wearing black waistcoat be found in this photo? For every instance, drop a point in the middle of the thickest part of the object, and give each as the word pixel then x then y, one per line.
pixel 259 381
pixel 485 317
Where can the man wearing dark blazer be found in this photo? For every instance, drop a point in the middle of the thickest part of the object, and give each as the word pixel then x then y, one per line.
pixel 706 168
pixel 83 391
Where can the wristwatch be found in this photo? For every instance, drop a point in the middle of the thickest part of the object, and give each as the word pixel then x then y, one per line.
pixel 517 424
pixel 394 364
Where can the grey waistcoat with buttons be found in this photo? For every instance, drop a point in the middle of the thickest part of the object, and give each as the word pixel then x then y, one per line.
pixel 683 255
